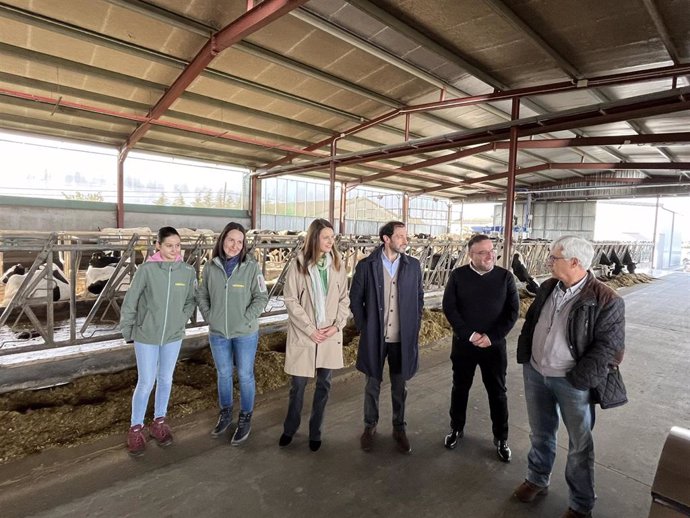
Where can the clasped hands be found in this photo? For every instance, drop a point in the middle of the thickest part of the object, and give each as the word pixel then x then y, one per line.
pixel 322 334
pixel 480 340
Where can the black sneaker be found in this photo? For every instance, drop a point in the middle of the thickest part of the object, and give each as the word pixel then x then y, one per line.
pixel 224 422
pixel 451 440
pixel 502 450
pixel 284 440
pixel 244 426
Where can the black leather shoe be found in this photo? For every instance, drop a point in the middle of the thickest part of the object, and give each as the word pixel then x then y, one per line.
pixel 314 445
pixel 502 450
pixel 451 440
pixel 284 440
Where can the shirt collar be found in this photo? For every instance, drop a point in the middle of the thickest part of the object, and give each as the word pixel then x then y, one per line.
pixel 385 259
pixel 479 271
pixel 574 289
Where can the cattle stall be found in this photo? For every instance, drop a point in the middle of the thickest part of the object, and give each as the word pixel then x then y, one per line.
pixel 29 322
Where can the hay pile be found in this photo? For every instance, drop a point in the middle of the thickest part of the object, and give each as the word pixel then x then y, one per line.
pixel 620 281
pixel 627 279
pixel 97 406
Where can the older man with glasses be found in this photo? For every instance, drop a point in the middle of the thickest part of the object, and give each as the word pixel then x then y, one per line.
pixel 573 331
pixel 481 303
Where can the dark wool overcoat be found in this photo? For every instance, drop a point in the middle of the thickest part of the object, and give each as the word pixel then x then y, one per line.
pixel 367 306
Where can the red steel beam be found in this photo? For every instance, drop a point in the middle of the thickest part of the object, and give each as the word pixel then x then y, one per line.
pixel 575 165
pixel 223 135
pixel 616 166
pixel 551 88
pixel 250 22
pixel 639 107
pixel 618 140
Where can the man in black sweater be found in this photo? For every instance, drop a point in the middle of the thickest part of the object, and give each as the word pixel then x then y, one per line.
pixel 482 305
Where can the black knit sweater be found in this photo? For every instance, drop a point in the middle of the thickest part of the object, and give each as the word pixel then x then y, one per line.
pixel 486 303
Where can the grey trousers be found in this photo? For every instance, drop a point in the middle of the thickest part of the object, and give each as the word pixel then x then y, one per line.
pixel 318 407
pixel 372 391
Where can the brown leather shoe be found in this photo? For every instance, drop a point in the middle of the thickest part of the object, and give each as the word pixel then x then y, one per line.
pixel 403 444
pixel 527 492
pixel 366 441
pixel 572 513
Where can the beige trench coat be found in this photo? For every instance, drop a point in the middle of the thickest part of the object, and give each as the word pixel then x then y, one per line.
pixel 302 355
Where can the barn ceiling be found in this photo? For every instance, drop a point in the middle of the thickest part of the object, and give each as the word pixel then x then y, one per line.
pixel 416 95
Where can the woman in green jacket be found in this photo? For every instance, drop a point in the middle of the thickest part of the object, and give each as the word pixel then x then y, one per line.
pixel 231 297
pixel 156 308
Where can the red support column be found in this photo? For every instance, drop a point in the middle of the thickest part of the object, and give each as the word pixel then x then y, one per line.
pixel 405 207
pixel 120 210
pixel 343 207
pixel 331 195
pixel 255 201
pixel 510 191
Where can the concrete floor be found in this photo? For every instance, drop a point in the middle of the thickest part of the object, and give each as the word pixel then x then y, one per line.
pixel 202 477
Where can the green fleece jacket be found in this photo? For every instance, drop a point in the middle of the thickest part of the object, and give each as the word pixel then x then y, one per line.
pixel 158 303
pixel 232 305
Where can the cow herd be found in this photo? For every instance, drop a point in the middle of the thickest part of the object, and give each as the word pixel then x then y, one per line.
pixel 273 249
pixel 101 268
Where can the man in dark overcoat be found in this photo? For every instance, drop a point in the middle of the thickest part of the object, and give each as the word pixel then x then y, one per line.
pixel 386 299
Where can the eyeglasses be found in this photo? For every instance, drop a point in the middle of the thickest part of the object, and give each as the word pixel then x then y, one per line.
pixel 484 253
pixel 553 258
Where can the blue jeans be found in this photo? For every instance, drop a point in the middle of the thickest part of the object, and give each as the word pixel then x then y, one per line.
pixel 155 364
pixel 239 352
pixel 546 398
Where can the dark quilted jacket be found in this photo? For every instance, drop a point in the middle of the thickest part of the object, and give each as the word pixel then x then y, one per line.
pixel 596 331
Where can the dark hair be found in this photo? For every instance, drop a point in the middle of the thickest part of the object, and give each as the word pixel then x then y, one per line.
pixel 476 239
pixel 311 245
pixel 389 228
pixel 218 247
pixel 164 232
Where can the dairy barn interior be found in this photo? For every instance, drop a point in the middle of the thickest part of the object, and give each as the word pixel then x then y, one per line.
pixel 564 117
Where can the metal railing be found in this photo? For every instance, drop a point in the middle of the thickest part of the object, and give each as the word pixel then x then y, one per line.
pixel 85 320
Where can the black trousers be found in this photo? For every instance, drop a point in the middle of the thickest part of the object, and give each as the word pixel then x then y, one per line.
pixel 318 407
pixel 493 363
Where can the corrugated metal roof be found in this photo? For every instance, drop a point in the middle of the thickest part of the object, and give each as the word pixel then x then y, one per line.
pixel 92 70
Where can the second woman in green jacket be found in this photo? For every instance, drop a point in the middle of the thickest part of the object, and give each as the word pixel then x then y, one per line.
pixel 231 297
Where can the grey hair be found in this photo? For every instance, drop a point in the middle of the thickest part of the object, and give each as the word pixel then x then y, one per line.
pixel 575 247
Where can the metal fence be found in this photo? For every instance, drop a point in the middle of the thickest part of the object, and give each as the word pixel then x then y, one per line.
pixel 78 320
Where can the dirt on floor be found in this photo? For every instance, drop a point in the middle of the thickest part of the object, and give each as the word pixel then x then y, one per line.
pixel 98 406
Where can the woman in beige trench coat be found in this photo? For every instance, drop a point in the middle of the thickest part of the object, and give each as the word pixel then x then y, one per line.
pixel 315 295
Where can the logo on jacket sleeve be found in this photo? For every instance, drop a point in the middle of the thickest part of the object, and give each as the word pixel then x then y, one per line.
pixel 262 283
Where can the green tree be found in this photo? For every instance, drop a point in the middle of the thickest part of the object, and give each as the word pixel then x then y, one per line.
pixel 198 200
pixel 208 199
pixel 161 200
pixel 220 199
pixel 179 200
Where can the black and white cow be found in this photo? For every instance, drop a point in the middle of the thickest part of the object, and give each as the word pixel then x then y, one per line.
pixel 616 262
pixel 520 270
pixel 101 268
pixel 435 258
pixel 628 261
pixel 14 276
